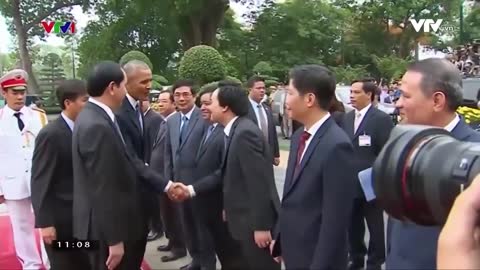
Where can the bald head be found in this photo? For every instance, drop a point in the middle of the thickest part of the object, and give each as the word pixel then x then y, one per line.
pixel 134 65
pixel 139 79
pixel 440 75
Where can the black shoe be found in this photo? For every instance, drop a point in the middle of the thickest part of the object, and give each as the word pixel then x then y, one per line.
pixel 190 267
pixel 173 256
pixel 164 248
pixel 152 236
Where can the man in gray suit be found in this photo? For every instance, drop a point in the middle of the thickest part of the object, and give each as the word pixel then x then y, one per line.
pixel 208 197
pixel 184 135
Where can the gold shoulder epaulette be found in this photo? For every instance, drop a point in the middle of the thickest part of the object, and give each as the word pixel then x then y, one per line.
pixel 38 110
pixel 43 116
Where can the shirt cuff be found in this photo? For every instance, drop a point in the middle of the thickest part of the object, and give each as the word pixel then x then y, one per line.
pixel 170 183
pixel 191 191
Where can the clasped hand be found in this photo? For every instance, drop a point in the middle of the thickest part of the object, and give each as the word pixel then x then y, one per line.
pixel 178 192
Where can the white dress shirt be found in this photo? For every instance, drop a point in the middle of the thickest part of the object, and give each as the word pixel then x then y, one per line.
pixel 258 111
pixel 359 115
pixel 312 131
pixel 104 107
pixel 452 123
pixel 228 127
pixel 69 121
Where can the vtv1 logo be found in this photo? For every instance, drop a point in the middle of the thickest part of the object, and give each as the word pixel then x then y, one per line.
pixel 427 24
pixel 59 27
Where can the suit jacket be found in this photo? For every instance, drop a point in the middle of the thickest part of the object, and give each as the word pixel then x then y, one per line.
pixel 52 176
pixel 137 143
pixel 152 121
pixel 375 124
pixel 180 159
pixel 272 130
pixel 157 159
pixel 411 246
pixel 250 197
pixel 317 201
pixel 106 203
pixel 208 187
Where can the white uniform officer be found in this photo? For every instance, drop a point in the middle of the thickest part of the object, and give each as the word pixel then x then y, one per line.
pixel 19 125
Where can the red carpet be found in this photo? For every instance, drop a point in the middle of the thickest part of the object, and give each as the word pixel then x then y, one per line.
pixel 8 257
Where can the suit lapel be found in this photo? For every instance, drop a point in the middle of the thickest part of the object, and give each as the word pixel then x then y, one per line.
pixel 204 146
pixel 361 127
pixel 63 125
pixel 230 137
pixel 308 154
pixel 131 113
pixel 349 124
pixel 191 124
pixel 292 159
pixel 251 113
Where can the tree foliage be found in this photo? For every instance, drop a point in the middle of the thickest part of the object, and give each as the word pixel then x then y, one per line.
pixel 263 68
pixel 135 55
pixel 203 64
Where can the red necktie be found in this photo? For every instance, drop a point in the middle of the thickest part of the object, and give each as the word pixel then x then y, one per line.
pixel 301 147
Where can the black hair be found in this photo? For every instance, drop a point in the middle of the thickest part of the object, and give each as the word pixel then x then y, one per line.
pixel 71 90
pixel 255 78
pixel 233 96
pixel 102 75
pixel 315 79
pixel 182 83
pixel 368 87
pixel 170 94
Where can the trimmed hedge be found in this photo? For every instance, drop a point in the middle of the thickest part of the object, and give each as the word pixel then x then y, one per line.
pixel 202 64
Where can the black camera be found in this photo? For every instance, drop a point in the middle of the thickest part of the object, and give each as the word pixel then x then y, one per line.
pixel 420 171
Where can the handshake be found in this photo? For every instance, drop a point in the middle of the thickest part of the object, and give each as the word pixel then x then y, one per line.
pixel 178 192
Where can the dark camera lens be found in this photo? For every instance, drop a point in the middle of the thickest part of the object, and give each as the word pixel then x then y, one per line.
pixel 421 170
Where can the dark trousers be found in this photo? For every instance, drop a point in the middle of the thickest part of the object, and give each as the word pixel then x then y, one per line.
pixel 66 259
pixel 194 231
pixel 170 214
pixel 155 221
pixel 373 214
pixel 131 260
pixel 217 238
pixel 255 258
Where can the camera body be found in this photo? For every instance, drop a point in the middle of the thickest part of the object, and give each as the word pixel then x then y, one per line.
pixel 421 170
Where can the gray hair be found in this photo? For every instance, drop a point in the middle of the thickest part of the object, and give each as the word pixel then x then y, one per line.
pixel 132 65
pixel 439 75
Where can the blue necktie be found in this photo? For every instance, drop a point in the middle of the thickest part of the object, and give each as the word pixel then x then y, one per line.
pixel 139 116
pixel 183 129
pixel 20 123
pixel 209 132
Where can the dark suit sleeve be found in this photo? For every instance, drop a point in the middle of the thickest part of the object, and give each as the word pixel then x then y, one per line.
pixel 168 155
pixel 384 126
pixel 147 174
pixel 255 168
pixel 44 162
pixel 276 147
pixel 97 146
pixel 338 186
pixel 213 180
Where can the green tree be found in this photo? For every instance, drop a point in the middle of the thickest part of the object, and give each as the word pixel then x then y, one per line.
pixel 52 72
pixel 203 64
pixel 263 68
pixel 26 16
pixel 346 74
pixel 472 24
pixel 390 67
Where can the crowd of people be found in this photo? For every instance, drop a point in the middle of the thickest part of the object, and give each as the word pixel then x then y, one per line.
pixel 108 169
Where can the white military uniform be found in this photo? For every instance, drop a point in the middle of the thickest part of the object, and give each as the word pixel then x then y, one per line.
pixel 16 150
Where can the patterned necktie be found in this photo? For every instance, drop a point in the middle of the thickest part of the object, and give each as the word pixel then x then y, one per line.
pixel 301 148
pixel 183 129
pixel 263 121
pixel 139 116
pixel 20 123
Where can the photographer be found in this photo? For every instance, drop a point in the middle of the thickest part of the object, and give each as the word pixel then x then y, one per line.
pixel 431 92
pixel 458 244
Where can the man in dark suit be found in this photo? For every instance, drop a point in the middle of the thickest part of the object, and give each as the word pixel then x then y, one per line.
pixel 207 194
pixel 169 210
pixel 311 232
pixel 52 178
pixel 250 198
pixel 431 93
pixel 185 131
pixel 106 200
pixel 153 121
pixel 368 129
pixel 261 114
pixel 131 122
